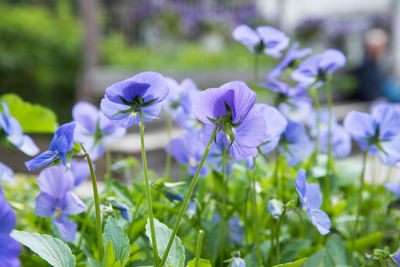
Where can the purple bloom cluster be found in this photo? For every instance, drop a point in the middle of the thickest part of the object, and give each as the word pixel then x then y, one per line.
pixel 57 199
pixel 94 130
pixel 143 92
pixel 61 144
pixel 9 248
pixel 14 133
pixel 311 201
pixel 230 108
pixel 378 131
pixel 265 39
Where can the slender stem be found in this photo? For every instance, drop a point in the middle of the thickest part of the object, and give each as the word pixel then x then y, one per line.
pixel 199 246
pixel 107 177
pixel 272 237
pixel 255 70
pixel 329 162
pixel 168 159
pixel 278 230
pixel 148 192
pixel 96 205
pixel 223 212
pixel 355 230
pixel 248 189
pixel 256 222
pixel 83 229
pixel 314 94
pixel 276 174
pixel 187 197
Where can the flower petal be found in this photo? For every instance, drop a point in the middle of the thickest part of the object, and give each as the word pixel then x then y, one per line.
pixel 66 228
pixel 252 131
pixel 45 205
pixel 43 159
pixel 72 204
pixel 55 181
pixel 321 220
pixel 246 36
pixel 9 251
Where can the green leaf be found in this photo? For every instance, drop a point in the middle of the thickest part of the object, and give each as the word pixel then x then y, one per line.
pixel 293 263
pixel 365 242
pixel 51 249
pixel 176 256
pixel 109 257
pixel 202 263
pixel 93 263
pixel 120 242
pixel 33 118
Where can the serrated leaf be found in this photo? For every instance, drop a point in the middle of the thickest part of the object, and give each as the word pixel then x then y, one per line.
pixel 51 249
pixel 109 256
pixel 202 263
pixel 120 242
pixel 293 263
pixel 176 256
pixel 33 118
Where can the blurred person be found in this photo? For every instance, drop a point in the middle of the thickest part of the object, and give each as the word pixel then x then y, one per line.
pixel 373 73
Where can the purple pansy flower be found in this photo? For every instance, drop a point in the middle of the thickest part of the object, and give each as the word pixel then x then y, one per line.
pixel 265 39
pixel 284 90
pixel 6 174
pixel 56 198
pixel 317 67
pixel 295 143
pixel 340 138
pixel 292 55
pixel 80 170
pixel 311 201
pixel 14 133
pixel 143 92
pixel 9 248
pixel 297 109
pixel 230 109
pixel 394 188
pixel 378 130
pixel 94 130
pixel 61 144
pixel 235 230
pixel 276 124
pixel 187 149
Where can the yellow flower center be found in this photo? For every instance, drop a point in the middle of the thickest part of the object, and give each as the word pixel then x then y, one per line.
pixel 228 137
pixel 58 213
pixel 133 113
pixel 192 162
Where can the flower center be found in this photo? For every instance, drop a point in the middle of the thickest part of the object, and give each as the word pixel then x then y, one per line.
pixel 58 213
pixel 192 162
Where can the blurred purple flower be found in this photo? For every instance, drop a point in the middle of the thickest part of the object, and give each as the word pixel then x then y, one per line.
pixel 9 248
pixel 311 201
pixel 235 230
pixel 188 149
pixel 56 198
pixel 340 138
pixel 123 209
pixel 192 209
pixel 396 257
pixel 315 68
pixel 276 124
pixel 61 144
pixel 265 39
pixel 378 130
pixel 94 130
pixel 394 188
pixel 283 89
pixel 292 55
pixel 297 109
pixel 80 170
pixel 275 208
pixel 230 108
pixel 6 174
pixel 143 92
pixel 14 133
pixel 173 194
pixel 295 143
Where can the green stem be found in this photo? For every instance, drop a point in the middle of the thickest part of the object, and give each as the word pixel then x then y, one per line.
pixel 355 230
pixel 255 71
pixel 329 162
pixel 314 94
pixel 276 175
pixel 223 211
pixel 96 205
pixel 272 237
pixel 199 246
pixel 168 159
pixel 148 192
pixel 278 230
pixel 256 222
pixel 107 177
pixel 186 200
pixel 83 229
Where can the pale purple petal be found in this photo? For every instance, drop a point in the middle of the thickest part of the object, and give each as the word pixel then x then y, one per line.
pixel 273 39
pixel 331 60
pixel 80 170
pixel 320 220
pixel 45 205
pixel 42 160
pixel 28 146
pixel 301 183
pixel 85 114
pixel 7 215
pixel 246 36
pixel 394 188
pixel 72 205
pixel 6 173
pixel 66 228
pixel 359 124
pixel 55 181
pixel 313 197
pixel 158 86
pixel 112 110
pixel 9 251
pixel 252 131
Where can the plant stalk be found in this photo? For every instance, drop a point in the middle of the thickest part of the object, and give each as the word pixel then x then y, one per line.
pixel 256 222
pixel 199 247
pixel 329 162
pixel 168 159
pixel 278 230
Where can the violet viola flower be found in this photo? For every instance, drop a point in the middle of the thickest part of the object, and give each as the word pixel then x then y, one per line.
pixel 276 124
pixel 230 109
pixel 61 144
pixel 340 138
pixel 94 130
pixel 265 39
pixel 143 92
pixel 9 248
pixel 311 201
pixel 283 89
pixel 56 198
pixel 80 170
pixel 295 143
pixel 187 149
pixel 377 131
pixel 14 133
pixel 316 68
pixel 394 188
pixel 290 59
pixel 6 174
